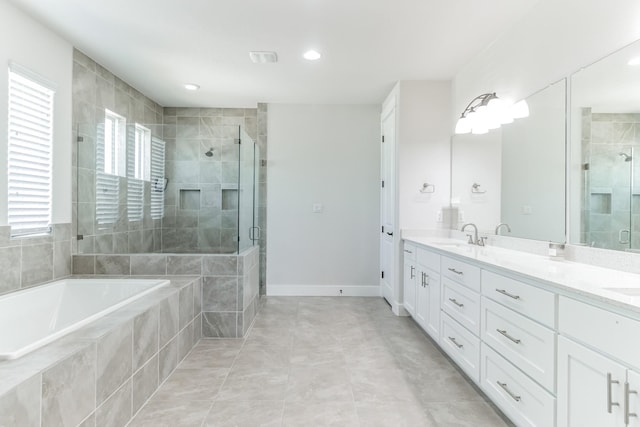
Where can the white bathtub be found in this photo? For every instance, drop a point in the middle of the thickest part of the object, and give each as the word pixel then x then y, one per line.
pixel 34 317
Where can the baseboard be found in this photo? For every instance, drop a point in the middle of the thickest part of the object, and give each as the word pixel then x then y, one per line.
pixel 322 291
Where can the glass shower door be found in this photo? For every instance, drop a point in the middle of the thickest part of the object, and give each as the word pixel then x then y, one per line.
pixel 246 189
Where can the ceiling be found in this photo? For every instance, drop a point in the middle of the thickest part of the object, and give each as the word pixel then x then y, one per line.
pixel 367 45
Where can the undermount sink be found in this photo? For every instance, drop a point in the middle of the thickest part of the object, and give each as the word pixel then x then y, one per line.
pixel 632 292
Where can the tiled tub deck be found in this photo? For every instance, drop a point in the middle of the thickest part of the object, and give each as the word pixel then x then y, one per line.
pixel 103 373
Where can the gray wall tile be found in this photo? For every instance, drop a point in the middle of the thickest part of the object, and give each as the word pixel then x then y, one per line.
pixel 115 354
pixel 10 266
pixel 69 389
pixel 184 264
pixel 145 337
pixel 219 325
pixel 117 410
pixel 185 313
pixel 145 382
pixel 220 294
pixel 37 264
pixel 84 264
pixel 113 264
pixel 220 265
pixel 21 406
pixel 148 264
pixel 168 359
pixel 168 319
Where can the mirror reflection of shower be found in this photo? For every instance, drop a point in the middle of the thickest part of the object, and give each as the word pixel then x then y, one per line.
pixel 209 153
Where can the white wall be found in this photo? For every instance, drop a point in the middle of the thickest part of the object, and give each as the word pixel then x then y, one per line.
pixel 553 40
pixel 423 151
pixel 28 43
pixel 327 154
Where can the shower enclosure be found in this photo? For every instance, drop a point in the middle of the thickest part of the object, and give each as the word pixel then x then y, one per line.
pixel 611 181
pixel 180 182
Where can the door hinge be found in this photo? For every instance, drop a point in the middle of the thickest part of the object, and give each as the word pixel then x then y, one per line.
pixel 383 184
pixel 382 229
pixel 382 274
pixel 382 138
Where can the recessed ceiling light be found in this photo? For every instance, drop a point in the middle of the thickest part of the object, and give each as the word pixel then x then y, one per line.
pixel 634 61
pixel 191 86
pixel 263 57
pixel 311 55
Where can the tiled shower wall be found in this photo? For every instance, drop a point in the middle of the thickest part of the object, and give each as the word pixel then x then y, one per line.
pixel 94 90
pixel 30 261
pixel 611 199
pixel 201 201
pixel 261 204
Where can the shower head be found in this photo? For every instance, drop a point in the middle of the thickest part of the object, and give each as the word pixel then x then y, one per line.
pixel 627 158
pixel 209 153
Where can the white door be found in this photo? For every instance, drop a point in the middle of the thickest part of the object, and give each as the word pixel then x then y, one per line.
pixel 387 206
pixel 590 387
pixel 433 307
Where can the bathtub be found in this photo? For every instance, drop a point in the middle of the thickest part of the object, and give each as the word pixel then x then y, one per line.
pixel 34 317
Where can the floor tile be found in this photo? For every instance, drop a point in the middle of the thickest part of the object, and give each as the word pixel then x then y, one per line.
pixel 325 383
pixel 192 384
pixel 262 386
pixel 465 414
pixel 245 414
pixel 396 414
pixel 320 414
pixel 179 413
pixel 209 356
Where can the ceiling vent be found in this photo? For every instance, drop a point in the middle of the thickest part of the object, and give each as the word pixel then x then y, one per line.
pixel 263 57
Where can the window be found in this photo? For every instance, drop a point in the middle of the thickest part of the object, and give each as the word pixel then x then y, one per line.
pixel 30 126
pixel 138 171
pixel 157 178
pixel 110 164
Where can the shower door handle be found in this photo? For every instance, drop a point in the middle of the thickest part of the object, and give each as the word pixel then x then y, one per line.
pixel 624 240
pixel 252 233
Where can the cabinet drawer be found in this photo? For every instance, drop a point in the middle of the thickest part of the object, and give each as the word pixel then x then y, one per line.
pixel 458 271
pixel 521 399
pixel 609 332
pixel 461 345
pixel 428 259
pixel 533 302
pixel 462 304
pixel 409 252
pixel 527 344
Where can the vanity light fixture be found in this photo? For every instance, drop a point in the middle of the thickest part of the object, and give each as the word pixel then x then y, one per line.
pixel 191 86
pixel 311 55
pixel 486 112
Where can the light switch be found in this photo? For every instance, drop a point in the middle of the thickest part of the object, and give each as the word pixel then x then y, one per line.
pixel 318 208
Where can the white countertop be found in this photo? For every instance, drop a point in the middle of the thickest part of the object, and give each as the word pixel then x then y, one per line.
pixel 584 279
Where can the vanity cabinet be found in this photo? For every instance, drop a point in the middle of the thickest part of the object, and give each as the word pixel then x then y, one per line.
pixel 460 311
pixel 598 364
pixel 409 279
pixel 428 292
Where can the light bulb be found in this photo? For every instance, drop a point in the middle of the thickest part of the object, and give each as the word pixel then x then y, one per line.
pixel 463 126
pixel 520 110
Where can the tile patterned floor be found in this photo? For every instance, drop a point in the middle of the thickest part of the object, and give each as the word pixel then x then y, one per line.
pixel 319 362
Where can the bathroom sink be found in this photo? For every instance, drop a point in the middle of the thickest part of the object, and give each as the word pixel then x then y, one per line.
pixel 632 292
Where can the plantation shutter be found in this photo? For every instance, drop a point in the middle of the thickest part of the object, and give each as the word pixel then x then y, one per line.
pixel 135 182
pixel 107 184
pixel 157 178
pixel 30 126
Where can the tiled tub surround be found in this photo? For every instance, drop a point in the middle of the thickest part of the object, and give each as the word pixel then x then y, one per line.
pixel 230 283
pixel 103 373
pixel 94 90
pixel 201 209
pixel 30 261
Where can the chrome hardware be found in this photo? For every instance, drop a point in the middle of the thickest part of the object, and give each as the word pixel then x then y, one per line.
pixel 426 279
pixel 428 188
pixel 610 404
pixel 505 334
pixel 422 279
pixel 504 292
pixel 453 340
pixel 509 392
pixel 482 241
pixel 474 240
pixel 252 233
pixel 502 224
pixel 470 239
pixel 621 240
pixel 627 392
pixel 408 251
pixel 453 270
pixel 453 300
pixel 413 272
pixel 389 233
pixel 475 189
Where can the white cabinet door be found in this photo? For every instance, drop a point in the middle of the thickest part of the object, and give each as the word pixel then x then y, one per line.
pixel 432 317
pixel 409 287
pixel 590 387
pixel 422 299
pixel 632 399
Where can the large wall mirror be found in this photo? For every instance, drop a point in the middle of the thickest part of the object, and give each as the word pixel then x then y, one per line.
pixel 605 152
pixel 516 174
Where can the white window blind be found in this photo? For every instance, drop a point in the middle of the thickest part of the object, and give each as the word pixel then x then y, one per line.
pixel 110 155
pixel 30 126
pixel 138 170
pixel 157 178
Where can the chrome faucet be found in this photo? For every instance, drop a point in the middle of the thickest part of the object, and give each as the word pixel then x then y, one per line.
pixel 502 224
pixel 473 239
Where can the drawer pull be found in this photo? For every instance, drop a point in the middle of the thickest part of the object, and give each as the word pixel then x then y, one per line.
pixel 453 300
pixel 628 414
pixel 504 333
pixel 610 381
pixel 509 392
pixel 413 272
pixel 453 340
pixel 408 251
pixel 504 292
pixel 453 270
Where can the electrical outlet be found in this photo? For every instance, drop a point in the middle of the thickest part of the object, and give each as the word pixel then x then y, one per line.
pixel 440 216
